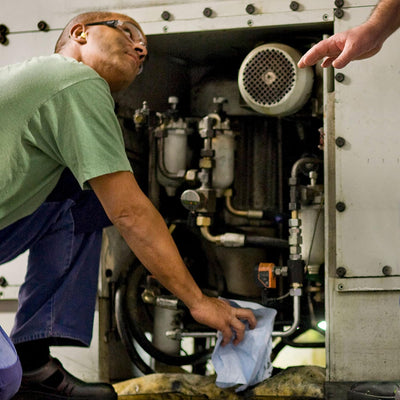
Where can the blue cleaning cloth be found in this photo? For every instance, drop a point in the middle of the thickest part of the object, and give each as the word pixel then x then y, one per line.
pixel 247 363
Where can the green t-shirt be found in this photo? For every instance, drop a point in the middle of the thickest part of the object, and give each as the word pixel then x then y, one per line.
pixel 54 113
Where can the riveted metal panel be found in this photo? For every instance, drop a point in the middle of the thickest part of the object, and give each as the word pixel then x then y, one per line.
pixel 363 306
pixel 367 166
pixel 185 17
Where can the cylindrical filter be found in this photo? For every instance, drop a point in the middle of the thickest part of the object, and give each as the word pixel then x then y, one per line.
pixel 223 173
pixel 175 150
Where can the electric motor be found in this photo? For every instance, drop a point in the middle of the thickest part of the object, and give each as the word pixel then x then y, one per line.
pixel 270 81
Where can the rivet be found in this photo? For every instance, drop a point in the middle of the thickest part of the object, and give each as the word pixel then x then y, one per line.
pixel 166 15
pixel 339 13
pixel 339 77
pixel 250 9
pixel 207 12
pixel 340 142
pixel 340 206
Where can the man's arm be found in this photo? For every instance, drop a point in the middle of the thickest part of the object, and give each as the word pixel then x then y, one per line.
pixel 357 43
pixel 146 233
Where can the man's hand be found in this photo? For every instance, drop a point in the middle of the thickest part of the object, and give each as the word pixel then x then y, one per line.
pixel 218 314
pixel 355 44
pixel 145 232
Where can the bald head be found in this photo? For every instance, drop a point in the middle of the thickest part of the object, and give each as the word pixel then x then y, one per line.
pixel 115 52
pixel 87 18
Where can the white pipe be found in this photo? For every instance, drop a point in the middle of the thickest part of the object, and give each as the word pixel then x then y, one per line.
pixel 296 318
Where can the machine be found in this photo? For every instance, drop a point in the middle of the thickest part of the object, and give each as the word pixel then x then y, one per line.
pixel 272 180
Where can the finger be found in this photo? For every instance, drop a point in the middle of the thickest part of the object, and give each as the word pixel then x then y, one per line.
pixel 330 48
pixel 350 52
pixel 345 57
pixel 340 63
pixel 226 336
pixel 243 313
pixel 316 53
pixel 327 62
pixel 239 328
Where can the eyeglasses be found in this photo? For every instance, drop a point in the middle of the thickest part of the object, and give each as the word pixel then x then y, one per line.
pixel 128 28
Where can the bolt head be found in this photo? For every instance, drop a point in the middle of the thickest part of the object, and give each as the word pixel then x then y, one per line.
pixel 250 9
pixel 339 77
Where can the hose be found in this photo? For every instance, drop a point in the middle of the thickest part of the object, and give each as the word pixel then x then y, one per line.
pixel 125 334
pixel 131 329
pixel 266 241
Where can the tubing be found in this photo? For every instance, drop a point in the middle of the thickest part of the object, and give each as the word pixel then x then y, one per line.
pixel 266 241
pixel 241 240
pixel 296 319
pixel 241 213
pixel 130 330
pixel 301 161
pixel 125 334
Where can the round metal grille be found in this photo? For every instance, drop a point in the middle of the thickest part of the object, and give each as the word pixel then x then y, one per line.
pixel 269 76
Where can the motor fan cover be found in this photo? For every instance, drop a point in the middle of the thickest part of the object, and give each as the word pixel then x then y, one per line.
pixel 270 81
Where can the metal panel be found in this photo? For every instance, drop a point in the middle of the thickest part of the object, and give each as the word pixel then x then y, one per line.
pixel 57 13
pixel 25 40
pixel 368 118
pixel 363 307
pixel 370 284
pixel 363 336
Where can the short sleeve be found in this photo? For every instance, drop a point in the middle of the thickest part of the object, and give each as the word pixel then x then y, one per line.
pixel 80 130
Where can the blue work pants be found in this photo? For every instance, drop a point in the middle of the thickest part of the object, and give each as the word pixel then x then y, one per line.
pixel 57 299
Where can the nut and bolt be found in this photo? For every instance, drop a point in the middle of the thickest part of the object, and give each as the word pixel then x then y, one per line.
pixel 341 272
pixel 340 206
pixel 339 77
pixel 294 6
pixel 250 9
pixel 339 13
pixel 166 15
pixel 340 141
pixel 43 26
pixel 387 270
pixel 207 12
pixel 3 281
pixel 3 29
pixel 339 3
pixel 3 34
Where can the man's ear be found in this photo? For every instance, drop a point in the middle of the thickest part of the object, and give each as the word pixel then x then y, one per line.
pixel 78 34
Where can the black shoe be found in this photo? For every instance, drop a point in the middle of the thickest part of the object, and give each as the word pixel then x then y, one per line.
pixel 53 382
pixel 374 391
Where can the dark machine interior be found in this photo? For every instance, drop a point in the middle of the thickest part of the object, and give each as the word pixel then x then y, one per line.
pixel 200 71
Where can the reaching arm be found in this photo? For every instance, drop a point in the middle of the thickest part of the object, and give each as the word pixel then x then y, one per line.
pixel 147 235
pixel 357 43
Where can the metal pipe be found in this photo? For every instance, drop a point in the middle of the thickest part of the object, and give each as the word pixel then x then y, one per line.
pixel 241 213
pixel 296 319
pixel 226 240
pixel 239 240
pixel 178 334
pixel 207 235
pixel 301 161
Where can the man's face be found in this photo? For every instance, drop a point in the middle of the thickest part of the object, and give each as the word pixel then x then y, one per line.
pixel 112 53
